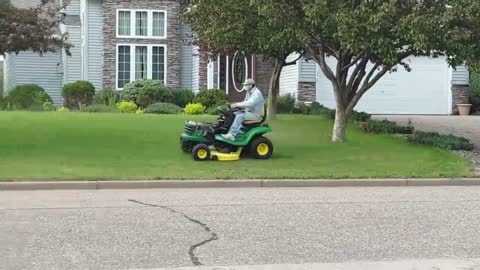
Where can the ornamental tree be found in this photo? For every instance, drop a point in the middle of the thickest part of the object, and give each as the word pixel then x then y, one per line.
pixel 34 28
pixel 367 39
pixel 225 26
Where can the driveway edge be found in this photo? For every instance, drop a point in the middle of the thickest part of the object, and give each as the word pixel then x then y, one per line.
pixel 254 183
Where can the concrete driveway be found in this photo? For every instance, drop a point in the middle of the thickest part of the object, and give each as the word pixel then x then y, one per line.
pixel 463 126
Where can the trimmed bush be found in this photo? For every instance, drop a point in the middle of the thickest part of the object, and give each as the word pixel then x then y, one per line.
pixel 213 110
pixel 63 109
pixel 181 97
pixel 384 126
pixel 29 97
pixel 318 109
pixel 146 92
pixel 210 97
pixel 107 96
pixel 449 142
pixel 195 108
pixel 301 108
pixel 126 107
pixel 48 106
pixel 285 104
pixel 99 108
pixel 78 94
pixel 360 116
pixel 163 108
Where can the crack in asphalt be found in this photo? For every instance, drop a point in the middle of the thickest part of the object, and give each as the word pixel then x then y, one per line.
pixel 213 236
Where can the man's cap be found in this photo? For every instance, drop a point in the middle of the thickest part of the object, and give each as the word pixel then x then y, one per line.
pixel 249 82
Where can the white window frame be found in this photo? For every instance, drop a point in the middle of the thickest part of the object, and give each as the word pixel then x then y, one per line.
pixel 132 61
pixel 149 24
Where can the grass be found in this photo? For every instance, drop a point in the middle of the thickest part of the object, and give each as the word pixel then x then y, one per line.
pixel 65 146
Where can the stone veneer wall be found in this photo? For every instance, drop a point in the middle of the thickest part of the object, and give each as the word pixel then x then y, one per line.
pixel 307 92
pixel 110 40
pixel 460 96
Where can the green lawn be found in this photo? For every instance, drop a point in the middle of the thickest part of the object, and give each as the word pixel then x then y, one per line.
pixel 130 146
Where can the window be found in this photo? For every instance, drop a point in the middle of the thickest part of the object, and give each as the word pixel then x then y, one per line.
pixel 141 24
pixel 141 69
pixel 158 63
pixel 148 62
pixel 124 23
pixel 158 24
pixel 123 65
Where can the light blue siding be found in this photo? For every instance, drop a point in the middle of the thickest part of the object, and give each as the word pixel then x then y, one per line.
pixel 306 70
pixel 73 8
pixel 9 73
pixel 195 69
pixel 289 77
pixel 94 65
pixel 460 76
pixel 186 58
pixel 31 68
pixel 73 64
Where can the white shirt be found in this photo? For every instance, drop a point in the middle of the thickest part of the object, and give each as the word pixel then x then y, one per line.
pixel 253 104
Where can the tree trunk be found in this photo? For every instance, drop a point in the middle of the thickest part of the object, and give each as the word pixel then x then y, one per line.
pixel 273 90
pixel 340 125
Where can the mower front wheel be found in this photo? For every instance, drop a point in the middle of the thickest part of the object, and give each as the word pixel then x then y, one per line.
pixel 201 152
pixel 261 148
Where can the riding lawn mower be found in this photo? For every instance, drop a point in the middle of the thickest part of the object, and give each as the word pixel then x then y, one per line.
pixel 204 140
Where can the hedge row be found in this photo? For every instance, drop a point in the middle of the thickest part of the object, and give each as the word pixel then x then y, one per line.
pixel 365 123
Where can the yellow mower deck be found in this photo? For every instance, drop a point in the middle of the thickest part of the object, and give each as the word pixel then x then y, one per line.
pixel 233 156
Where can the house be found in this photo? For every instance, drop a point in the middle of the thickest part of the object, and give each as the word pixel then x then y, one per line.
pixel 432 87
pixel 119 41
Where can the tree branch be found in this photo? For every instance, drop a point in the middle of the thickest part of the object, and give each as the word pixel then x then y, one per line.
pixel 364 89
pixel 358 57
pixel 320 57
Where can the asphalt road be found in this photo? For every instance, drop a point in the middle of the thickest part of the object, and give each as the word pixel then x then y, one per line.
pixel 281 228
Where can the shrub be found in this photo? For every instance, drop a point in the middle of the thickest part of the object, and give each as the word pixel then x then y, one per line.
pixel 360 116
pixel 127 107
pixel 210 97
pixel 63 109
pixel 99 108
pixel 163 108
pixel 78 94
pixel 301 108
pixel 107 96
pixel 146 92
pixel 384 126
pixel 285 104
pixel 318 109
pixel 48 106
pixel 195 108
pixel 213 110
pixel 182 97
pixel 449 142
pixel 29 96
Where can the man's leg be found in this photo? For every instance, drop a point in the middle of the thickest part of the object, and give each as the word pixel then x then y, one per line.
pixel 236 126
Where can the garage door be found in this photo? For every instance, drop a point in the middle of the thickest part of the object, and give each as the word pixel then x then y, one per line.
pixel 424 90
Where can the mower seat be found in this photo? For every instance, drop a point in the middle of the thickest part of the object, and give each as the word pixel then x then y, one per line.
pixel 248 124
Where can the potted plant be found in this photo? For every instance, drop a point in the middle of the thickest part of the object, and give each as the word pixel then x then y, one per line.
pixel 464 109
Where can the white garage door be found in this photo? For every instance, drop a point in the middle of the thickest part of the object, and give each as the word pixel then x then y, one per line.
pixel 424 90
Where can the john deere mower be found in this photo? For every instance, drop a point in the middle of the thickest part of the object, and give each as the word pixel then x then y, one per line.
pixel 204 140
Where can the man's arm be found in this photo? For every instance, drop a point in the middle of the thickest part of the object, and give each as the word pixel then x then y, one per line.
pixel 250 103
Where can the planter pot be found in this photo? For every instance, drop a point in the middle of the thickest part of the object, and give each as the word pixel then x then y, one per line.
pixel 464 109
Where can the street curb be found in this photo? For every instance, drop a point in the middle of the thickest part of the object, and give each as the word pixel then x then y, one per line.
pixel 254 183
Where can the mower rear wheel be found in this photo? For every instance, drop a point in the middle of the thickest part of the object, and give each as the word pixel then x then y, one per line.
pixel 261 148
pixel 201 152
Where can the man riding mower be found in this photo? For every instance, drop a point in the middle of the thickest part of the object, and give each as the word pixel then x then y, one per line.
pixel 238 130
